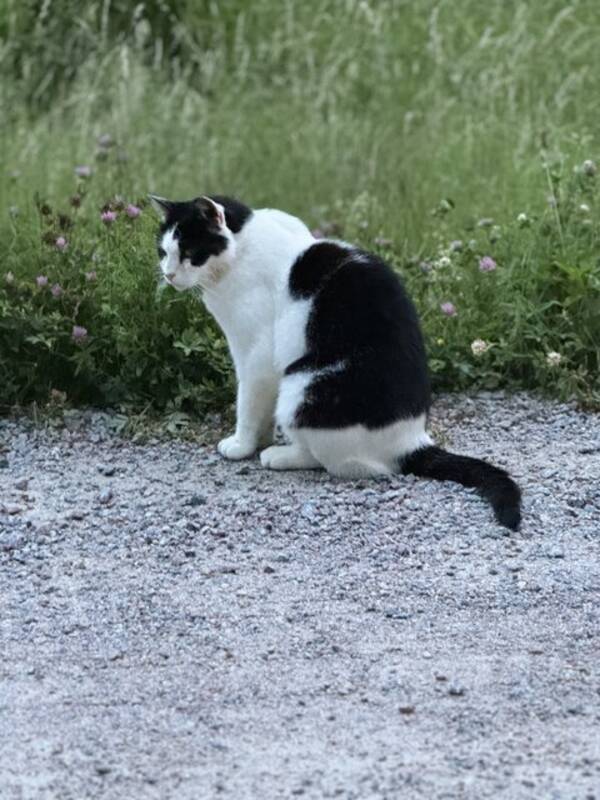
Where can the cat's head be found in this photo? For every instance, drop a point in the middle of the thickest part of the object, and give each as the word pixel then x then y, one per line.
pixel 196 242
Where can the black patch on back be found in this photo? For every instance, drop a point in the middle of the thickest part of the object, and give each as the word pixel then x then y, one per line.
pixel 198 239
pixel 314 266
pixel 365 328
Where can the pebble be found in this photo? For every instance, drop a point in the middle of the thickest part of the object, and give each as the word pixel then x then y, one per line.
pixel 11 541
pixel 397 613
pixel 197 500
pixel 22 484
pixel 107 469
pixel 308 511
pixel 105 496
pixel 13 508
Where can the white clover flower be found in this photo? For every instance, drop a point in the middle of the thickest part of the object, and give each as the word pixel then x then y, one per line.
pixel 584 208
pixel 523 219
pixel 443 261
pixel 553 358
pixel 495 233
pixel 479 347
pixel 589 167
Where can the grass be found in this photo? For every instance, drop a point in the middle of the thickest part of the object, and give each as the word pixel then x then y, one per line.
pixel 390 120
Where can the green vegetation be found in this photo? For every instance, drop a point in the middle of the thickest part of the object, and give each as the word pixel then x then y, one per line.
pixel 401 125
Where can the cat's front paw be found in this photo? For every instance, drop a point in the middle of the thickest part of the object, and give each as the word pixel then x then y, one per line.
pixel 235 448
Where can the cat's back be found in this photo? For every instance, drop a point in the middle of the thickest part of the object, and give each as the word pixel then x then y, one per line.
pixel 288 222
pixel 272 229
pixel 355 292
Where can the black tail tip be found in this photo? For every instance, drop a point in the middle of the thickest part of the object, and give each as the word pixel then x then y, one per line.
pixel 505 497
pixel 509 517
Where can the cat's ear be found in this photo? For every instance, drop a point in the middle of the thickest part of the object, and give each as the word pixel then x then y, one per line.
pixel 212 212
pixel 160 205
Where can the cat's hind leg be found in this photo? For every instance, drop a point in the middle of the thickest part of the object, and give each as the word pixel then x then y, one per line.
pixel 288 456
pixel 355 468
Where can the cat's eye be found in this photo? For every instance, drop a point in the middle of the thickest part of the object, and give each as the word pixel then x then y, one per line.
pixel 161 252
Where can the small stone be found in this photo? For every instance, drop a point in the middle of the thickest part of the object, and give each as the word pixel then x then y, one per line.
pixel 3 463
pixel 12 508
pixel 396 613
pixel 308 511
pixel 107 469
pixel 116 655
pixel 268 570
pixel 69 629
pixel 22 484
pixel 456 691
pixel 11 542
pixel 407 710
pixel 105 496
pixel 197 500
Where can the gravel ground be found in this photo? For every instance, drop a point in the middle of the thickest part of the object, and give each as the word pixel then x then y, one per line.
pixel 175 626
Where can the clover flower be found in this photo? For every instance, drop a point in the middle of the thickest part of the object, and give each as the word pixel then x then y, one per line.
pixel 41 281
pixel 553 358
pixel 79 333
pixel 9 277
pixel 61 243
pixel 589 167
pixel 456 246
pixel 108 217
pixel 133 211
pixel 57 290
pixel 83 171
pixel 449 309
pixel 487 264
pixel 479 347
pixel 91 276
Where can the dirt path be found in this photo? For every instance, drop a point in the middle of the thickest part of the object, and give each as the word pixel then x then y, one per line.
pixel 173 626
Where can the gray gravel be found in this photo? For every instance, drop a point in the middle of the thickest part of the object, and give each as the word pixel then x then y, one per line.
pixel 174 626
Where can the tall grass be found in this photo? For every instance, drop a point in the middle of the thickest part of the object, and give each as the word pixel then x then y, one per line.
pixel 327 109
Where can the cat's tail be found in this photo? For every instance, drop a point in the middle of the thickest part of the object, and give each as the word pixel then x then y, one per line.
pixel 493 484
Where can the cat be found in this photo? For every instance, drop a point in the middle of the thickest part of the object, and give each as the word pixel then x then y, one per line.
pixel 325 342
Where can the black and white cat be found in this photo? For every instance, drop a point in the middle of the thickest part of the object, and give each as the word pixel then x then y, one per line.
pixel 325 343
